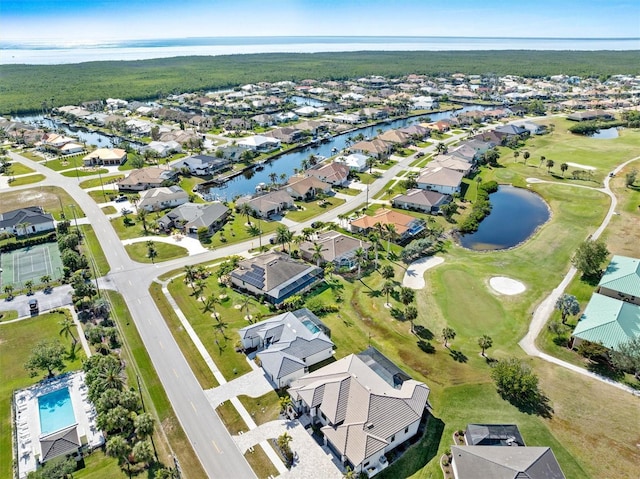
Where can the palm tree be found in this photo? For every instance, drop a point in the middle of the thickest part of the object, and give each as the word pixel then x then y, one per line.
pixel 118 447
pixel 247 210
pixel 407 295
pixel 285 404
pixel 387 271
pixel 273 177
pixel 284 236
pixel 441 148
pixel 284 440
pixel 111 377
pixel 485 342
pixel 66 329
pixel 199 287
pixel 391 233
pixel 143 452
pixel 29 285
pixel 526 155
pixel 23 226
pixel 410 314
pixel 360 256
pixel 387 288
pixel 189 274
pixel 329 268
pixel 304 165
pixel 144 425
pixel 152 252
pixel 564 167
pixel 8 289
pixel 244 306
pixel 283 178
pixel 516 154
pixel 142 218
pixel 374 238
pixel 550 164
pixel 448 334
pixel 46 279
pixel 219 327
pixel 209 304
pixel 567 304
pixel 542 158
pixel 317 253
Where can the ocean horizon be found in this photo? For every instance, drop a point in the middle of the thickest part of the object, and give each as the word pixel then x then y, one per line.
pixel 44 53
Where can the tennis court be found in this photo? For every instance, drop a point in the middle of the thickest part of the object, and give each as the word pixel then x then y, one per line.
pixel 31 263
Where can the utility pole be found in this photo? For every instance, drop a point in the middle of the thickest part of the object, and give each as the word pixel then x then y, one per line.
pixel 75 219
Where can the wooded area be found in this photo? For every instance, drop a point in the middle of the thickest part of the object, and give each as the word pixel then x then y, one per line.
pixel 24 88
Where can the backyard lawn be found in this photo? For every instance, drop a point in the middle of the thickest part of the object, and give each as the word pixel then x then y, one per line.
pixel 139 252
pixel 311 209
pixel 52 199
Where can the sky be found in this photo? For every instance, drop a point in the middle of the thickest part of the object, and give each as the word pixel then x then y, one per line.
pixel 72 22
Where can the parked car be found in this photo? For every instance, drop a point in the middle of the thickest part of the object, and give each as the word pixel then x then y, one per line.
pixel 120 199
pixel 33 306
pixel 126 211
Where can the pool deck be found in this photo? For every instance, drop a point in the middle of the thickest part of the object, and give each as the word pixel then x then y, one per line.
pixel 27 420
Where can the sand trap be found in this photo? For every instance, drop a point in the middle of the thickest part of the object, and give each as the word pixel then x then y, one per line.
pixel 509 286
pixel 414 276
pixel 584 167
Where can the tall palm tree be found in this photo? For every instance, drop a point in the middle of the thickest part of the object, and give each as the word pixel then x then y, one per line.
pixel 273 177
pixel 317 253
pixel 387 271
pixel 209 304
pixel 485 342
pixel 329 268
pixel 142 218
pixel 244 305
pixel 448 334
pixel 407 295
pixel 8 289
pixel 374 238
pixel 152 252
pixel 391 234
pixel 284 236
pixel 118 447
pixel 190 274
pixel 29 285
pixel 360 256
pixel 111 377
pixel 66 329
pixel 219 327
pixel 410 314
pixel 46 279
pixel 387 288
pixel 247 210
pixel 144 425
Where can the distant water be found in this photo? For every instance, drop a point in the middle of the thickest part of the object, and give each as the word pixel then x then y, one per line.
pixel 48 54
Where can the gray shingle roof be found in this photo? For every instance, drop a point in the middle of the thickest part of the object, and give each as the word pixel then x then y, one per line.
pixel 33 215
pixel 59 443
pixel 482 462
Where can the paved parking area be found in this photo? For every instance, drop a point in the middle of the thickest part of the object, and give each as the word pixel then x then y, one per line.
pixel 253 384
pixel 312 461
pixel 59 296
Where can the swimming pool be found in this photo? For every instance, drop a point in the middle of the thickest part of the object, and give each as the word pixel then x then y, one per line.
pixel 310 326
pixel 56 411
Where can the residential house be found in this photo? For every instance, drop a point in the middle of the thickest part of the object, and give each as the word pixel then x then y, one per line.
pixel 163 149
pixel 416 132
pixel 334 173
pixel 424 103
pixel 139 127
pixel 60 144
pixel 308 111
pixel 612 316
pixel 337 248
pixel 26 221
pixel 269 204
pixel 374 113
pixel 405 226
pixel 465 153
pixel 395 137
pixel 533 128
pixel 189 217
pixel 263 120
pixel 145 178
pixel 482 462
pixel 442 180
pixel 513 131
pixel 365 406
pixel 156 199
pixel 259 143
pixel 421 200
pixel 275 277
pixel 201 165
pixel 288 344
pixel 283 117
pixel 591 115
pixel 306 188
pixel 355 161
pixel 452 163
pixel 376 148
pixel 285 134
pixel 479 146
pixel 105 157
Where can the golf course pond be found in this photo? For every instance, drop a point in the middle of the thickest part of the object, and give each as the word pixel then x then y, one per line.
pixel 516 213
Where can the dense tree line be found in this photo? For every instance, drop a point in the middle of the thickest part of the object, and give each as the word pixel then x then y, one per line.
pixel 24 88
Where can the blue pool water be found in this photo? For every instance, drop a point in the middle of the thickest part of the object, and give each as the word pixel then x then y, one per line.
pixel 56 411
pixel 311 327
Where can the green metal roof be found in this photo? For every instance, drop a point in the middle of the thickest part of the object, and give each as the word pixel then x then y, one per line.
pixel 622 274
pixel 608 321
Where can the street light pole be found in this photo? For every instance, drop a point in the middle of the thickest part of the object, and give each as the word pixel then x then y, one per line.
pixel 73 210
pixel 104 196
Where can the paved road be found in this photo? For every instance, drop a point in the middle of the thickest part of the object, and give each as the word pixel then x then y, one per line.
pixel 217 452
pixel 545 308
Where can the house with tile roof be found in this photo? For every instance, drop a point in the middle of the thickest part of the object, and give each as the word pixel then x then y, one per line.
pixel 106 157
pixel 269 204
pixel 365 406
pixel 377 148
pixel 337 248
pixel 189 217
pixel 421 200
pixel 201 165
pixel 406 226
pixel 440 179
pixel 306 188
pixel 483 462
pixel 334 173
pixel 287 345
pixel 274 276
pixel 156 199
pixel 25 221
pixel 145 178
pixel 355 161
pixel 451 162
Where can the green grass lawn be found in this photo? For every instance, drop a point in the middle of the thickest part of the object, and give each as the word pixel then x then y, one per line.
pixel 367 178
pixel 64 163
pixel 231 418
pixel 27 180
pixel 262 409
pixel 236 231
pixel 91 247
pixel 312 209
pixel 107 181
pixel 99 197
pixel 98 465
pixel 136 230
pixel 139 363
pixel 260 463
pixel 387 164
pixel 16 342
pixel 18 168
pixel 8 315
pixel 109 210
pixel 138 252
pixel 52 199
pixel 84 172
pixel 29 154
pixel 348 191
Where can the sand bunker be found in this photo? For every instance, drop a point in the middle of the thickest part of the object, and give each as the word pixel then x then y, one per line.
pixel 508 286
pixel 414 276
pixel 584 167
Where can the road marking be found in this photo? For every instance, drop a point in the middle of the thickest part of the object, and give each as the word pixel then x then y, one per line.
pixel 162 346
pixel 139 301
pixel 194 408
pixel 216 446
pixel 131 284
pixel 176 375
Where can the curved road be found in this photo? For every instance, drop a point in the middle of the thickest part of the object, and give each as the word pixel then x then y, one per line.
pixel 545 308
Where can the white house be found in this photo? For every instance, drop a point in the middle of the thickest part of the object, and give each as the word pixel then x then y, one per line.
pixel 288 344
pixel 259 143
pixel 355 161
pixel 365 406
pixel 156 199
pixel 440 179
